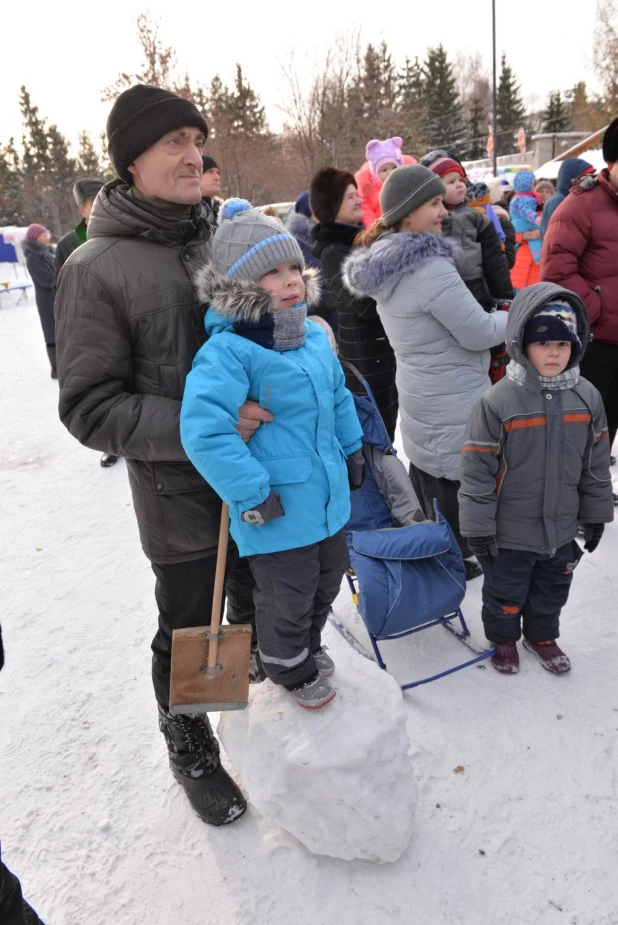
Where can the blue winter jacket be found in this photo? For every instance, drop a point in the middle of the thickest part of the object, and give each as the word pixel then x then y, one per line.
pixel 300 455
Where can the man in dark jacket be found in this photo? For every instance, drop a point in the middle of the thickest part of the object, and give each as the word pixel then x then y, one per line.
pixel 84 192
pixel 580 252
pixel 210 185
pixel 129 325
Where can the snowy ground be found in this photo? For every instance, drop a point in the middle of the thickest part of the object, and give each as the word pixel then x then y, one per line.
pixel 98 831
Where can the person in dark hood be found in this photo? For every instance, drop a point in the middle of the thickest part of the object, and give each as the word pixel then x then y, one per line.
pixel 40 264
pixel 210 185
pixel 129 324
pixel 570 170
pixel 300 224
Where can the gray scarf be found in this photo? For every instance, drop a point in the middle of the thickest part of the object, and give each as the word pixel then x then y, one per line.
pixel 278 330
pixel 565 380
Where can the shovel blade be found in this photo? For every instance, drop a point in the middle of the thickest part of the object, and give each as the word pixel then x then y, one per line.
pixel 193 691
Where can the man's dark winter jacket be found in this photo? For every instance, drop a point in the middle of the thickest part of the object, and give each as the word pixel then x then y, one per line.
pixel 580 251
pixel 40 263
pixel 534 461
pixel 362 340
pixel 14 910
pixel 128 327
pixel 482 263
pixel 67 244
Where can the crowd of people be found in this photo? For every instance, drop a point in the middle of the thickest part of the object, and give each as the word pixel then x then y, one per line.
pixel 203 343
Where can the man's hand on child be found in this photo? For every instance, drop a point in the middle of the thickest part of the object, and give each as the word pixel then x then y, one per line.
pixel 251 415
pixel 356 469
pixel 483 545
pixel 592 536
pixel 266 511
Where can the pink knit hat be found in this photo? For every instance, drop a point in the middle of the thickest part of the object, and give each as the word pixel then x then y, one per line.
pixel 35 231
pixel 379 153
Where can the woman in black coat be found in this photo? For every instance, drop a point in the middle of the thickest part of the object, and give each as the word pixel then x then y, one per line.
pixel 41 267
pixel 335 202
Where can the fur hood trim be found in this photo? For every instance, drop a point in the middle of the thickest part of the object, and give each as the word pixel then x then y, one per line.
pixel 243 298
pixel 300 227
pixel 368 269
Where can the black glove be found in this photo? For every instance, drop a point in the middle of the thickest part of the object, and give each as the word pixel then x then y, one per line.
pixel 265 512
pixel 1 651
pixel 483 545
pixel 356 469
pixel 592 536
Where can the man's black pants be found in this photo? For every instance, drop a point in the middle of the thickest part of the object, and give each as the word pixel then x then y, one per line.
pixel 600 366
pixel 528 587
pixel 184 593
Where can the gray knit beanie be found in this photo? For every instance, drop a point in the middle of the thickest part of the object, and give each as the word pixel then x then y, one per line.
pixel 248 243
pixel 407 188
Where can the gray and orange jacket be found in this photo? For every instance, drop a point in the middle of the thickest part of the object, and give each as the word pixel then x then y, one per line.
pixel 535 462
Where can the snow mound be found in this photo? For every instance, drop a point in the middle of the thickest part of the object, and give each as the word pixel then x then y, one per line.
pixel 339 779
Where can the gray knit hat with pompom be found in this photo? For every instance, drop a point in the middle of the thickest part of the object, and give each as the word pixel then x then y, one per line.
pixel 248 243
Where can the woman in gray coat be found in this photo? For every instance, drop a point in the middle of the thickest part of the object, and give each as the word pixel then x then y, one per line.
pixel 440 334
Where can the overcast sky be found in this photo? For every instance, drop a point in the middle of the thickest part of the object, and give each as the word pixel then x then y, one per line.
pixel 66 53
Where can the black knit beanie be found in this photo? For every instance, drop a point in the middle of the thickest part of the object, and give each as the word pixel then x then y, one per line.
pixel 610 143
pixel 140 117
pixel 208 163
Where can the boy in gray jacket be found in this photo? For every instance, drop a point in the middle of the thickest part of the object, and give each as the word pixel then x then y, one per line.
pixel 534 465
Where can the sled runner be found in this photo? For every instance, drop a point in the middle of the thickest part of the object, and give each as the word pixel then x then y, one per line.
pixel 407 572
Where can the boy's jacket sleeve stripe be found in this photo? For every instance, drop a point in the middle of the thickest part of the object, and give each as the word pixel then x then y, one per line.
pixel 525 422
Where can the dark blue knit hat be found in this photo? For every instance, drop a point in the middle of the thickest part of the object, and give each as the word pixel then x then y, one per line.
pixel 554 321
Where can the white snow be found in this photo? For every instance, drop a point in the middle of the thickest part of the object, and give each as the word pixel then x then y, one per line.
pixel 339 779
pixel 98 831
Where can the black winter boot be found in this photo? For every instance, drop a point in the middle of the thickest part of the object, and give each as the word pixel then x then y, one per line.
pixel 194 760
pixel 51 353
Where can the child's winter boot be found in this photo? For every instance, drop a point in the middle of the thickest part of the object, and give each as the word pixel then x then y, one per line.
pixel 550 655
pixel 313 694
pixel 506 658
pixel 323 662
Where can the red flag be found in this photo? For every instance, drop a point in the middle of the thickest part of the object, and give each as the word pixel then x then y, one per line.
pixel 521 139
pixel 490 145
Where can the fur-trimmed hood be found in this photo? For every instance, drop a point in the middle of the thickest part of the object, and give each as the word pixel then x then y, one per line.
pixel 300 228
pixel 242 298
pixel 375 270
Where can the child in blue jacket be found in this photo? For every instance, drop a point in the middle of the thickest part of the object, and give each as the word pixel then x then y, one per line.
pixel 523 209
pixel 288 488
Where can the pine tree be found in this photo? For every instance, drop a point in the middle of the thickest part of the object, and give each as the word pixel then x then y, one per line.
pixel 412 109
pixel 88 162
pixel 445 126
pixel 511 110
pixel 35 141
pixel 10 186
pixel 476 142
pixel 378 86
pixel 556 117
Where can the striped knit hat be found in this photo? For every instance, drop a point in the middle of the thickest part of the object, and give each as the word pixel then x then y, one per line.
pixel 35 231
pixel 248 243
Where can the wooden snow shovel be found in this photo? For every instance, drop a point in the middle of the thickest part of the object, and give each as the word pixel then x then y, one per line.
pixel 210 666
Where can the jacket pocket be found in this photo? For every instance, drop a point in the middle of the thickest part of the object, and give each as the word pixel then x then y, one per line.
pixel 287 470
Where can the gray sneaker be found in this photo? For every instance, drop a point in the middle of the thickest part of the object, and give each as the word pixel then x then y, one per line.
pixel 315 694
pixel 323 662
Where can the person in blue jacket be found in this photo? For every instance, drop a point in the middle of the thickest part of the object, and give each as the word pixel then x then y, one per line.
pixel 288 488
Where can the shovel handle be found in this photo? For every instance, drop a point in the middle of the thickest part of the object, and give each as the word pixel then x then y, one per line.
pixel 217 597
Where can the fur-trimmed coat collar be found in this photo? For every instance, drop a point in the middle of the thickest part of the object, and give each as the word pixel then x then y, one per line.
pixel 300 227
pixel 367 270
pixel 243 298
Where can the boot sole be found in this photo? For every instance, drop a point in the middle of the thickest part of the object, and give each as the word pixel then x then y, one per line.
pixel 511 669
pixel 317 706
